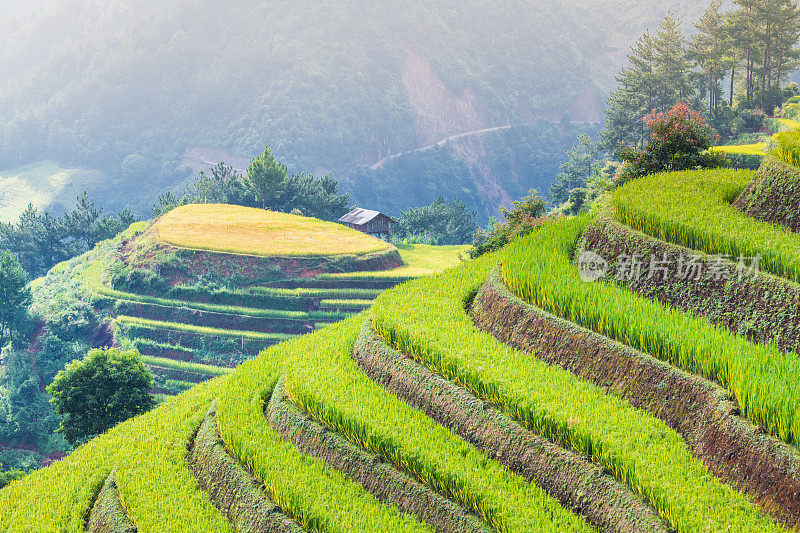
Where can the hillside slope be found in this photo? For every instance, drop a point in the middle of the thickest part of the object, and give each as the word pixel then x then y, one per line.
pixel 139 90
pixel 193 314
pixel 508 393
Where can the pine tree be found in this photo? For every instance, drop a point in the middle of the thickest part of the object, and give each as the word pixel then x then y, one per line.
pixel 707 50
pixel 657 79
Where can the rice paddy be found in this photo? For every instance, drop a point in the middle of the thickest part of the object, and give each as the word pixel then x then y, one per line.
pixel 425 320
pixel 249 231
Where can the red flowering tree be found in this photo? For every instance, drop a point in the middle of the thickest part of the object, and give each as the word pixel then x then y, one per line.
pixel 679 140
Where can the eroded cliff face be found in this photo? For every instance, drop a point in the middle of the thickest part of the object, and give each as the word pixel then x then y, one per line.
pixel 438 112
pixel 460 121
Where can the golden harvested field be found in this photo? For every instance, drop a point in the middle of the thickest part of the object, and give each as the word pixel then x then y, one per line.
pixel 743 149
pixel 420 260
pixel 249 231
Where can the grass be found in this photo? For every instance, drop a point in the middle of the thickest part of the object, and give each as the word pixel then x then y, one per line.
pixel 788 146
pixel 744 149
pixel 760 376
pixel 249 231
pixel 149 456
pixel 318 497
pixel 197 368
pixel 785 124
pixel 302 292
pixel 420 260
pixel 345 304
pixel 638 449
pixel 124 320
pixel 704 218
pixel 93 273
pixel 330 387
pixel 177 386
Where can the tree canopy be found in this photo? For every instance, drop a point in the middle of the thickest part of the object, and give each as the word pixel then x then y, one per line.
pixel 15 297
pixel 753 47
pixel 438 223
pixel 105 388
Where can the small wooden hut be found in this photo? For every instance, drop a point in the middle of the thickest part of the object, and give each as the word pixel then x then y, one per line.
pixel 371 222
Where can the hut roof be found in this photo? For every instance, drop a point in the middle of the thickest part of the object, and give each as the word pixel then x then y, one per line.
pixel 359 216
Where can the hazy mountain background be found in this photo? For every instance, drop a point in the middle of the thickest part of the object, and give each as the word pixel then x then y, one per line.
pixel 127 99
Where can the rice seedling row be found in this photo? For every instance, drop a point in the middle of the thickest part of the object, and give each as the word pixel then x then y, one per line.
pixel 704 218
pixel 762 309
pixel 288 476
pixel 640 450
pixel 349 305
pixel 232 489
pixel 194 317
pixel 580 486
pixel 95 285
pixel 128 321
pixel 182 366
pixel 761 377
pixel 153 479
pixel 330 388
pixel 370 470
pixel 702 412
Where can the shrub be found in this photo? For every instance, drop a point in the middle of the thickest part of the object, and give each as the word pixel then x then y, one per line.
pixel 679 140
pixel 525 216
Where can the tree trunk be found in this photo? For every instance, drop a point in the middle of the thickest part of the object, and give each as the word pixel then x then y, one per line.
pixel 733 75
pixel 749 79
pixel 780 71
pixel 766 76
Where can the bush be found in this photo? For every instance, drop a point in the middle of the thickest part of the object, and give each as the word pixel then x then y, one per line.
pixel 735 123
pixel 679 140
pixel 745 161
pixel 524 217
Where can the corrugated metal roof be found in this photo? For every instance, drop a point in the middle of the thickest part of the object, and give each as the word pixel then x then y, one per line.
pixel 360 216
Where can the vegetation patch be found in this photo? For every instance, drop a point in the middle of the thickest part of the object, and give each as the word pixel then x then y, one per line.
pixel 372 471
pixel 773 195
pixel 288 474
pixel 788 144
pixel 575 482
pixel 232 489
pixel 331 388
pixel 233 347
pixel 268 323
pixel 418 260
pixel 704 219
pixel 108 514
pixel 701 412
pixel 762 308
pixel 128 321
pixel 761 377
pixel 640 450
pixel 181 366
pixel 148 454
pixel 345 305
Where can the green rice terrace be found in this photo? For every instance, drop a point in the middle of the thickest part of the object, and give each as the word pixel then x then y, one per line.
pixel 195 314
pixel 630 370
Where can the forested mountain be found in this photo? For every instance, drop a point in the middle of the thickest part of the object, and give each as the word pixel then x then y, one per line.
pixel 149 91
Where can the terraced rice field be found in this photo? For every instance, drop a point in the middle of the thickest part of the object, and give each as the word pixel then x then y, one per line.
pixel 213 331
pixel 249 231
pixel 504 394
